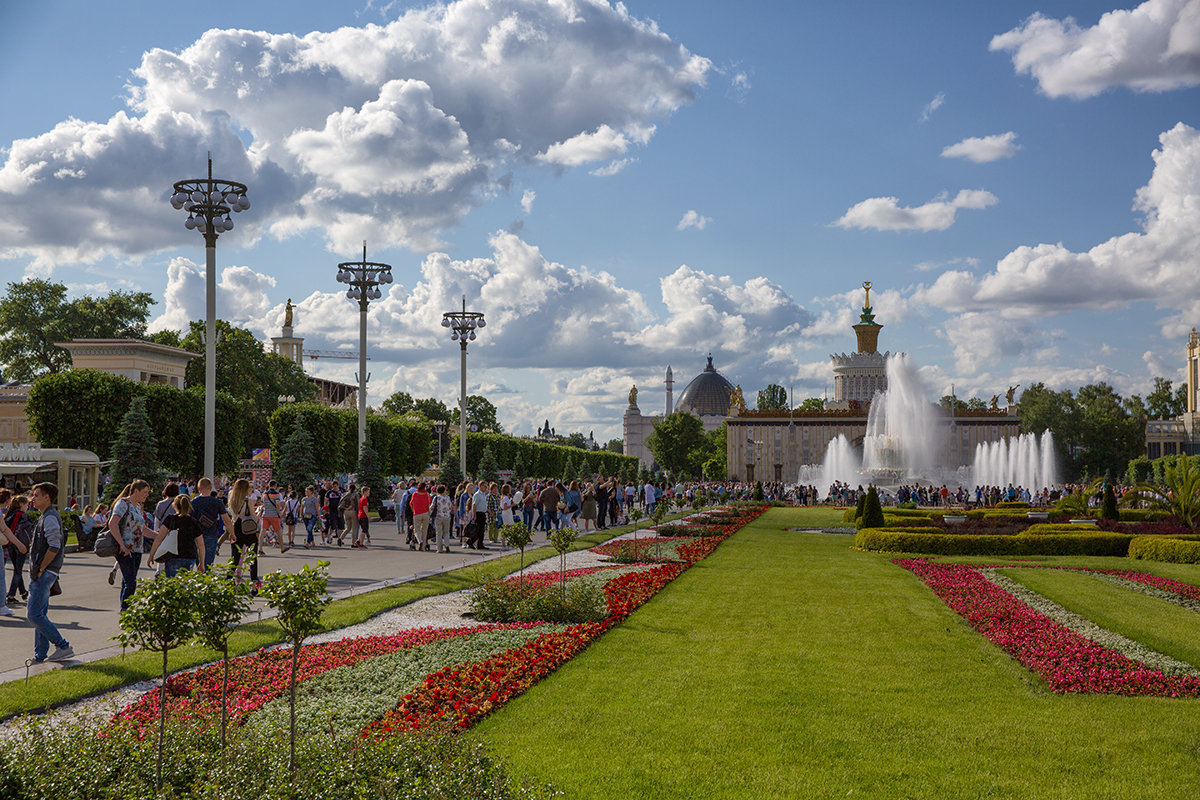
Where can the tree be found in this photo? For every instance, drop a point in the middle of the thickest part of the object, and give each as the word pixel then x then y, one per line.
pixel 299 599
pixel 294 464
pixel 1112 430
pixel 480 412
pixel 1163 402
pixel 872 516
pixel 368 473
pixel 615 446
pixel 450 473
pixel 772 398
pixel 134 450
pixel 158 618
pixel 1108 507
pixel 488 469
pixel 576 439
pixel 219 603
pixel 813 404
pixel 678 444
pixel 1179 495
pixel 35 314
pixel 432 409
pixel 399 403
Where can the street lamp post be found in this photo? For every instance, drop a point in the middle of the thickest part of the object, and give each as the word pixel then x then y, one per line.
pixel 462 325
pixel 440 425
pixel 209 202
pixel 364 278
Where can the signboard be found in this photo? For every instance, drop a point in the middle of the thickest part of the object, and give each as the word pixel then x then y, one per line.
pixel 505 475
pixel 20 451
pixel 259 466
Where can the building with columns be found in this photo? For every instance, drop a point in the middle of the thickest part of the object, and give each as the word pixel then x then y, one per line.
pixel 1169 437
pixel 707 396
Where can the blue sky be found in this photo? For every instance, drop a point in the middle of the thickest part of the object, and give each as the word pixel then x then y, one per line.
pixel 620 188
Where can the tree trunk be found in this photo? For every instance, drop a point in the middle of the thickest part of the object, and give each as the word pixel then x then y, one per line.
pixel 224 693
pixel 162 718
pixel 292 756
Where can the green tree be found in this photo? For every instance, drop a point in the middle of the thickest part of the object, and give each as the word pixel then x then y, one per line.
pixel 1112 430
pixel 576 439
pixel 1179 494
pixel 399 403
pixel 615 446
pixel 772 398
pixel 450 473
pixel 36 313
pixel 1164 402
pixel 480 412
pixel 299 600
pixel 159 617
pixel 677 444
pixel 294 463
pixel 1108 507
pixel 872 516
pixel 134 450
pixel 432 409
pixel 813 404
pixel 368 473
pixel 568 470
pixel 219 603
pixel 1043 409
pixel 168 337
pixel 488 469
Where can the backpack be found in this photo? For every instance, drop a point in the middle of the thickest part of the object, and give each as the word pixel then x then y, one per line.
pixel 23 529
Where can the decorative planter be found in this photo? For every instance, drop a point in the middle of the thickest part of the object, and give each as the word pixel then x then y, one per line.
pixel 954 519
pixel 1038 515
pixel 1091 522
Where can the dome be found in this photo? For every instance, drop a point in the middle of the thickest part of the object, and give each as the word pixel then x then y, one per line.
pixel 707 394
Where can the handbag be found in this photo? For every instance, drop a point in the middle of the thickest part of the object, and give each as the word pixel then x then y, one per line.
pixel 55 588
pixel 248 524
pixel 106 545
pixel 168 546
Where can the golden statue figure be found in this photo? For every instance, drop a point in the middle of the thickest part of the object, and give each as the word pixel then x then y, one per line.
pixel 995 406
pixel 867 286
pixel 287 314
pixel 633 396
pixel 1011 393
pixel 737 403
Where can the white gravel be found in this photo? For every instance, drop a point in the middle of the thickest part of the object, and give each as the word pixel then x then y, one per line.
pixel 439 611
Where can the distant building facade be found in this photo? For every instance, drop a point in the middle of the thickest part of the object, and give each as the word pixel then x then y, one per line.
pixel 707 396
pixel 1169 437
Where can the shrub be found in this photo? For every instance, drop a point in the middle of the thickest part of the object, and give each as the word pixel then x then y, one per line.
pixel 872 516
pixel 908 504
pixel 1143 515
pixel 1013 504
pixel 508 601
pixel 687 530
pixel 908 541
pixel 1157 548
pixel 859 505
pixel 908 510
pixel 1048 528
pixel 1108 508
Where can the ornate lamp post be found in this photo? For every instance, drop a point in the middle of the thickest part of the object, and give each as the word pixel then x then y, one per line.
pixel 439 427
pixel 209 202
pixel 364 278
pixel 462 325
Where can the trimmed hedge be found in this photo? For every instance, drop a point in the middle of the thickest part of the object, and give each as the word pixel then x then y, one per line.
pixel 1050 528
pixel 1143 515
pixel 1173 550
pixel 910 541
pixel 1013 504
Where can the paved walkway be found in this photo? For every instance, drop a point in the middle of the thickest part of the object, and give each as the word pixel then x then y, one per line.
pixel 86 612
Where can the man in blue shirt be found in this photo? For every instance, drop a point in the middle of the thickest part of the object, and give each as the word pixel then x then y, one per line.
pixel 46 559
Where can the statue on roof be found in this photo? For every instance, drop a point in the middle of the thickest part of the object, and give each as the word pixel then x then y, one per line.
pixel 287 314
pixel 1011 393
pixel 995 404
pixel 737 403
pixel 633 395
pixel 867 286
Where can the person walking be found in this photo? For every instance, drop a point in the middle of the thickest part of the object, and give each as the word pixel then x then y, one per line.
pixel 362 518
pixel 272 515
pixel 189 540
pixel 210 513
pixel 550 498
pixel 17 530
pixel 443 514
pixel 587 508
pixel 349 511
pixel 421 504
pixel 245 534
pixel 291 515
pixel 479 508
pixel 128 527
pixel 46 559
pixel 310 513
pixel 334 522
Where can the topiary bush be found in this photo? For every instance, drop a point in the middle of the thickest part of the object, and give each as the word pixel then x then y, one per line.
pixel 909 541
pixel 872 516
pixel 1174 551
pixel 1108 508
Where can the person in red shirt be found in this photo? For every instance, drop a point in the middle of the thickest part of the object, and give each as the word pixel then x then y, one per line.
pixel 363 523
pixel 420 502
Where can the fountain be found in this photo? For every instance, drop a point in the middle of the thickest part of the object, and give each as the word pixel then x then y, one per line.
pixel 905 443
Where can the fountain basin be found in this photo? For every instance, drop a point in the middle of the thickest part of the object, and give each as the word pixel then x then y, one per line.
pixel 954 519
pixel 1041 515
pixel 1091 522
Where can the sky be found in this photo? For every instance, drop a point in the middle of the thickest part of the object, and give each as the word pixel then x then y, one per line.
pixel 619 187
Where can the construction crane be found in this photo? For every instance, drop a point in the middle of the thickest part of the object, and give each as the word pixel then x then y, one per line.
pixel 315 354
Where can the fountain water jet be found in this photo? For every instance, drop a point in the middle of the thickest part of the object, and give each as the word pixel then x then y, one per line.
pixel 1026 460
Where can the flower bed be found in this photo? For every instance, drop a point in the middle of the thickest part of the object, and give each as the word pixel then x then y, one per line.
pixel 1066 660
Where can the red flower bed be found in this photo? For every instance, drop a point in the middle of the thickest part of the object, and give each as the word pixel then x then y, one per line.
pixel 1067 661
pixel 257 679
pixel 1166 584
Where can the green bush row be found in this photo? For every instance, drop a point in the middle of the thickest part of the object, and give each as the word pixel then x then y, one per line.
pixel 1176 550
pixel 1049 528
pixel 912 541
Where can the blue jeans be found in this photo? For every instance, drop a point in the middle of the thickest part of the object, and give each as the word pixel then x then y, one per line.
pixel 527 517
pixel 175 564
pixel 129 565
pixel 210 548
pixel 45 634
pixel 309 524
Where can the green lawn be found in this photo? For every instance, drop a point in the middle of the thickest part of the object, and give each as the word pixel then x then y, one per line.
pixel 1155 623
pixel 790 665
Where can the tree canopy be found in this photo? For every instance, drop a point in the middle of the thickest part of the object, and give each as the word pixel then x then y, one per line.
pixel 1096 430
pixel 34 314
pixel 1163 402
pixel 678 444
pixel 480 412
pixel 772 398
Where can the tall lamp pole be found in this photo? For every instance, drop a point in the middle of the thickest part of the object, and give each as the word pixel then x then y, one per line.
pixel 209 202
pixel 364 278
pixel 462 325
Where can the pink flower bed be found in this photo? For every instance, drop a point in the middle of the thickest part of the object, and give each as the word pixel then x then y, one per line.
pixel 1067 661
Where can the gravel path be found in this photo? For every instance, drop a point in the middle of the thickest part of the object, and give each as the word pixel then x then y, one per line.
pixel 439 611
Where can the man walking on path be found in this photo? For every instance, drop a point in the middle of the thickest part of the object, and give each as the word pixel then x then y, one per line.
pixel 46 560
pixel 209 511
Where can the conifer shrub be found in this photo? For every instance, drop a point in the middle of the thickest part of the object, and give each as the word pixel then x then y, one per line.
pixel 872 516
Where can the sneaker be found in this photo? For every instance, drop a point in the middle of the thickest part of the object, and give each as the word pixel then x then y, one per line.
pixel 112 577
pixel 36 660
pixel 5 611
pixel 61 654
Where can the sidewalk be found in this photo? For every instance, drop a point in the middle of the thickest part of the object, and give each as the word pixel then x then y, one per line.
pixel 87 611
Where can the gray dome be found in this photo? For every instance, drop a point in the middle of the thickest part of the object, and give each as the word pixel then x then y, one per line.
pixel 707 394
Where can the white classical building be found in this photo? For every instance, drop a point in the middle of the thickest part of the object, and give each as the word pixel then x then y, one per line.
pixel 707 396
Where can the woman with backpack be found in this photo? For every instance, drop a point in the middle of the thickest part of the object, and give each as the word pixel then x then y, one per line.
pixel 291 515
pixel 245 531
pixel 16 533
pixel 129 529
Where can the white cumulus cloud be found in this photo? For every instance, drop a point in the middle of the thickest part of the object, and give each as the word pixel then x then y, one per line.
pixel 933 105
pixel 983 149
pixel 1152 48
pixel 693 219
pixel 886 213
pixel 527 198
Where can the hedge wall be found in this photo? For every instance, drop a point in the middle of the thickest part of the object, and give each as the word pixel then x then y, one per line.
pixel 403 445
pixel 1049 528
pixel 541 459
pixel 913 541
pixel 82 408
pixel 1173 550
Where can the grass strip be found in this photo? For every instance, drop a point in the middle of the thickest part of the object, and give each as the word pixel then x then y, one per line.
pixel 791 665
pixel 49 690
pixel 1156 623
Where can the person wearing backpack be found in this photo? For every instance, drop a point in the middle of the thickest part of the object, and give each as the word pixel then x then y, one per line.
pixel 14 521
pixel 46 559
pixel 272 511
pixel 129 529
